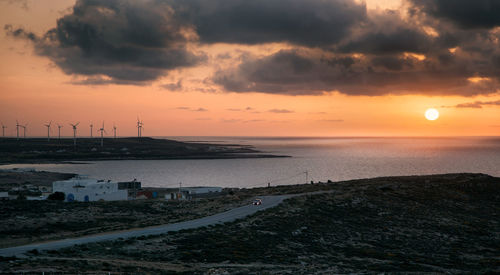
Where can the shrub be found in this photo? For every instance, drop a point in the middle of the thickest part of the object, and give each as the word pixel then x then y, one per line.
pixel 57 196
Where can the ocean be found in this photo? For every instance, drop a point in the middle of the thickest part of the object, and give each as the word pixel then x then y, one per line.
pixel 317 159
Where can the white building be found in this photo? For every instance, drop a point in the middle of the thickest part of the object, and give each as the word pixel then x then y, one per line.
pixel 81 188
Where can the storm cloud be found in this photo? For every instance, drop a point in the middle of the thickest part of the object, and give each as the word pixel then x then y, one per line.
pixel 309 23
pixel 432 47
pixel 465 13
pixel 295 72
pixel 125 42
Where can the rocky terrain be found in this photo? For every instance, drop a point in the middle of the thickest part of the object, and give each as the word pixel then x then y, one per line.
pixel 39 150
pixel 442 223
pixel 11 179
pixel 25 222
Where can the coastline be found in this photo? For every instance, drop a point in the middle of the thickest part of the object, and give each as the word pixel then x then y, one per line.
pixel 41 151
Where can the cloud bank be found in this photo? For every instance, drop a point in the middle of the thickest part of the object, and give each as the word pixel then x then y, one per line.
pixel 428 47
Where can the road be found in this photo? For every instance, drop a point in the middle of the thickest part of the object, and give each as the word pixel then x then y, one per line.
pixel 228 216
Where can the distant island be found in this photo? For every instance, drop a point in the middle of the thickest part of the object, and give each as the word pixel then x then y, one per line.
pixel 40 150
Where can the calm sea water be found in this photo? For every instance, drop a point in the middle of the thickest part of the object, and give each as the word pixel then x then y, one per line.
pixel 323 158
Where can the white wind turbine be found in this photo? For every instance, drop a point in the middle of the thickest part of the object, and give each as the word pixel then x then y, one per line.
pixel 142 123
pixel 3 130
pixel 91 127
pixel 48 130
pixel 74 132
pixel 24 129
pixel 17 128
pixel 114 131
pixel 139 126
pixel 102 134
pixel 59 130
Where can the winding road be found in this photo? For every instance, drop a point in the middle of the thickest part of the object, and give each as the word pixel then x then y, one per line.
pixel 228 216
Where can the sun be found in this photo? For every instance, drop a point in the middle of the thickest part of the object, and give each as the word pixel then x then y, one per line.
pixel 431 114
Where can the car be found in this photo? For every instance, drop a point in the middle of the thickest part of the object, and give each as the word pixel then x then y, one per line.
pixel 257 202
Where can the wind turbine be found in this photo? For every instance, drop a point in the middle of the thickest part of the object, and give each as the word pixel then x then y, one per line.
pixel 48 130
pixel 91 127
pixel 59 130
pixel 17 128
pixel 138 127
pixel 74 132
pixel 24 129
pixel 102 135
pixel 114 130
pixel 141 127
pixel 3 130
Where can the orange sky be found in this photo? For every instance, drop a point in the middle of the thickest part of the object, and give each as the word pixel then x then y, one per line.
pixel 35 91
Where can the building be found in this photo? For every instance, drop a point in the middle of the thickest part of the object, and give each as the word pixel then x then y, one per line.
pixel 202 190
pixel 81 188
pixel 187 193
pixel 182 195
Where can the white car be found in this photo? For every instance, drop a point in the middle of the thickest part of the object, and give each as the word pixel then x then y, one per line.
pixel 257 202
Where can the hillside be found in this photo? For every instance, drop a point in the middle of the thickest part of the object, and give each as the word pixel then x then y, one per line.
pixel 440 223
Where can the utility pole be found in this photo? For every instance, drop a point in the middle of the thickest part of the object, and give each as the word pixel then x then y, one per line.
pixel 307 176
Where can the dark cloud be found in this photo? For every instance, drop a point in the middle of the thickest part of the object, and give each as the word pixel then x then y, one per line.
pixel 338 45
pixel 478 104
pixel 295 72
pixel 21 3
pixel 192 109
pixel 465 13
pixel 309 23
pixel 281 111
pixel 128 42
pixel 175 87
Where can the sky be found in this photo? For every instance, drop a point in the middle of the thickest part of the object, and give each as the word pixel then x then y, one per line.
pixel 252 68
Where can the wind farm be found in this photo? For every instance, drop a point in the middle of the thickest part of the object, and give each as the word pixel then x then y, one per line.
pixel 77 147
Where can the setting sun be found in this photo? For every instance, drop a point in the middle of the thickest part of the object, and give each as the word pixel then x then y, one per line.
pixel 431 114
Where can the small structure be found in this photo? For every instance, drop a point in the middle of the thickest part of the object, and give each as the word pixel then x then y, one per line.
pixel 186 193
pixel 182 195
pixel 81 188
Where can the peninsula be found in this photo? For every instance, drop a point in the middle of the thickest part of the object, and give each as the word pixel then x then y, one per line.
pixel 40 150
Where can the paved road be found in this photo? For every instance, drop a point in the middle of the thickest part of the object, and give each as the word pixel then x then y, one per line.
pixel 228 216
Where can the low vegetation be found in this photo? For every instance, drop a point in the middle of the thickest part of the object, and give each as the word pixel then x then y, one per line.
pixel 442 223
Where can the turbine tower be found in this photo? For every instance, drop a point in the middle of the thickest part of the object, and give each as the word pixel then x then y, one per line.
pixel 91 127
pixel 17 128
pixel 102 134
pixel 138 127
pixel 3 130
pixel 114 131
pixel 141 127
pixel 48 130
pixel 24 129
pixel 74 132
pixel 59 130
